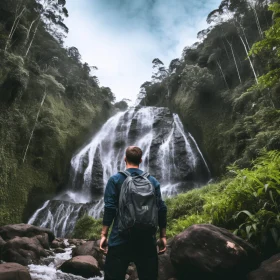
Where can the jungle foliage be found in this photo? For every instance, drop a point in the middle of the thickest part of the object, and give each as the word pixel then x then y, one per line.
pixel 50 102
pixel 245 202
pixel 226 87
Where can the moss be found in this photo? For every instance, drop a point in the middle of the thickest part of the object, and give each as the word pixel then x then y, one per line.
pixel 88 228
pixel 63 126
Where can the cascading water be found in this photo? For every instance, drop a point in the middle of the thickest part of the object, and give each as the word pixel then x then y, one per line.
pixel 169 153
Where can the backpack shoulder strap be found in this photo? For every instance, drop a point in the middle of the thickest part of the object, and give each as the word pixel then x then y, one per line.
pixel 145 175
pixel 125 173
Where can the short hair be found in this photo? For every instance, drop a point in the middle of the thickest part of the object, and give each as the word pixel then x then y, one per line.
pixel 133 155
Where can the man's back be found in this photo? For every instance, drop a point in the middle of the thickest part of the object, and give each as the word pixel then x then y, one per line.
pixel 111 200
pixel 130 248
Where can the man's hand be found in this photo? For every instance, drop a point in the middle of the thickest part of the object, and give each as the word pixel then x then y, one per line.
pixel 162 245
pixel 103 244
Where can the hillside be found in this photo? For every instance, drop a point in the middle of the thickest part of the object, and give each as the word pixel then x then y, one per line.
pixel 225 87
pixel 50 104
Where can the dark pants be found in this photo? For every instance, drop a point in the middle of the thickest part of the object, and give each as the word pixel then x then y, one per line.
pixel 143 254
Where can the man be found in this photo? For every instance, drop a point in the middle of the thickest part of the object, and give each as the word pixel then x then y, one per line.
pixel 123 249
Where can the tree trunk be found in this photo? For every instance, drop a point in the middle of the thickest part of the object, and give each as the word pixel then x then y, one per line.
pixel 29 30
pixel 236 66
pixel 36 120
pixel 31 42
pixel 251 64
pixel 256 18
pixel 222 73
pixel 14 26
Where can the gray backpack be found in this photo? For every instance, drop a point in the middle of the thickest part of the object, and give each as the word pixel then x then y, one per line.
pixel 138 211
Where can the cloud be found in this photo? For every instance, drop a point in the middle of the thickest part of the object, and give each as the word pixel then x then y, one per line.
pixel 122 37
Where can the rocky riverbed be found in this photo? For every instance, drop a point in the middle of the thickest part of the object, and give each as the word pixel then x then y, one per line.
pixel 200 252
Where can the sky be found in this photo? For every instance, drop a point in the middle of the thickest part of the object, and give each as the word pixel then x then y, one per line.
pixel 122 37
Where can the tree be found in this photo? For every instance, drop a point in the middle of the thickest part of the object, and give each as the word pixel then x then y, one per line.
pixel 19 12
pixel 202 35
pixel 215 57
pixel 174 64
pixel 160 72
pixel 53 13
pixel 227 8
pixel 108 94
pixel 270 45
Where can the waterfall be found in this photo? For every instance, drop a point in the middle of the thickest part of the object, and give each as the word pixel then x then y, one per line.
pixel 169 153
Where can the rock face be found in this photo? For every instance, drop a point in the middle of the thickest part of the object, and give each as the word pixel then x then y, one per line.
pixel 166 269
pixel 85 266
pixel 269 270
pixel 23 250
pixel 209 252
pixel 58 243
pixel 24 244
pixel 13 271
pixel 23 230
pixel 96 185
pixel 90 248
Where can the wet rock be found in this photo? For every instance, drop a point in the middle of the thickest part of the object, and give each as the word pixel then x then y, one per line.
pixel 90 248
pixel 166 270
pixel 24 230
pixel 269 270
pixel 209 252
pixel 85 266
pixel 13 271
pixel 58 243
pixel 24 250
pixel 76 242
pixel 131 273
pixel 2 243
pixel 59 251
pixel 97 183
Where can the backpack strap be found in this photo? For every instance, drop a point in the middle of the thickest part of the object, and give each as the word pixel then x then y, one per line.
pixel 125 173
pixel 145 175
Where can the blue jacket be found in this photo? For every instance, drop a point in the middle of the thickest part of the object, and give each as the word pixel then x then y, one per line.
pixel 111 201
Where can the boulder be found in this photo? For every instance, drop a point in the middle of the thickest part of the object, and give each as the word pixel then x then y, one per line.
pixel 166 270
pixel 2 243
pixel 13 271
pixel 90 248
pixel 76 242
pixel 131 273
pixel 269 270
pixel 85 266
pixel 24 250
pixel 209 252
pixel 57 243
pixel 24 230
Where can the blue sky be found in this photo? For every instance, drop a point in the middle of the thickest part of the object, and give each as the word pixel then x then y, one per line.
pixel 122 37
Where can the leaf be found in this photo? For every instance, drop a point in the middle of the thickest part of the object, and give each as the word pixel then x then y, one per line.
pixel 265 187
pixel 248 230
pixel 271 196
pixel 245 212
pixel 274 234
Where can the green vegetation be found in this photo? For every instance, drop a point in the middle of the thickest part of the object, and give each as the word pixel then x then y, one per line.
pixel 50 103
pixel 247 203
pixel 268 49
pixel 226 87
pixel 88 228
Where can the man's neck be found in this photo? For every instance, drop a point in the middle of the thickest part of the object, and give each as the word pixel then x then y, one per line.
pixel 132 166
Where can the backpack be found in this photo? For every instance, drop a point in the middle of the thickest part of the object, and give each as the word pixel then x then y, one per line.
pixel 138 210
